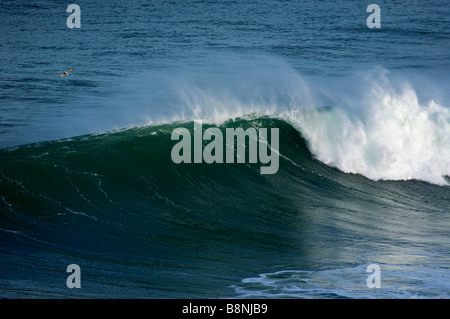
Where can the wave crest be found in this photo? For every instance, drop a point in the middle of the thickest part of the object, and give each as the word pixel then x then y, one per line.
pixel 392 137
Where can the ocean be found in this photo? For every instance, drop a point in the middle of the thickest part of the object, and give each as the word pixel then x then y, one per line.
pixel 358 206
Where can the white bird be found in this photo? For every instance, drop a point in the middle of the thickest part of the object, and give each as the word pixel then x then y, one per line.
pixel 66 73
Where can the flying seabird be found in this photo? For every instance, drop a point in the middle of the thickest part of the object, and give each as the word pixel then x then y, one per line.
pixel 66 73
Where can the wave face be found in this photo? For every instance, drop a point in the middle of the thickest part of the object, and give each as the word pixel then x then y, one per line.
pixel 141 226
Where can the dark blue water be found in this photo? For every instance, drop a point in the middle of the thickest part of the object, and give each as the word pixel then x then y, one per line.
pixel 86 175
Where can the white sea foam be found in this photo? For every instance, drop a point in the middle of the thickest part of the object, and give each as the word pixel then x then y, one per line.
pixel 401 277
pixel 392 136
